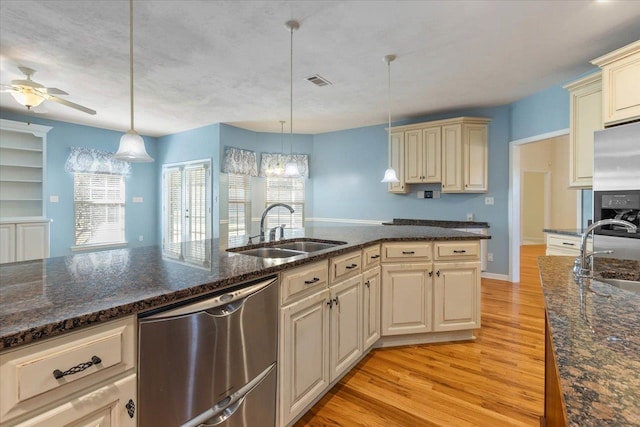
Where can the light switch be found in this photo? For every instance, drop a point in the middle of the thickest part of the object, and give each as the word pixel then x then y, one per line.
pixel 53 199
pixel 137 200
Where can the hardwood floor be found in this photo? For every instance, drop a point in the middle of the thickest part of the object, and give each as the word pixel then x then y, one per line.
pixel 496 380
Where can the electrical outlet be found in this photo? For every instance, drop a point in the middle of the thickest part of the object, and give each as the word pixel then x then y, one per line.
pixel 469 217
pixel 137 200
pixel 54 199
pixel 488 200
pixel 490 257
pixel 140 238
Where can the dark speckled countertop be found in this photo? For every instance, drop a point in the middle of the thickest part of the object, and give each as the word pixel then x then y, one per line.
pixel 595 329
pixel 44 298
pixel 438 223
pixel 565 231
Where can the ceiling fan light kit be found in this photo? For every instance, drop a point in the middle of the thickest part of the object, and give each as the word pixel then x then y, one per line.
pixel 291 168
pixel 390 175
pixel 28 98
pixel 131 148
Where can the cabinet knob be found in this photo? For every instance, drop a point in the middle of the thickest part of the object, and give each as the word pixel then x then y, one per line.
pixel 438 273
pixel 367 284
pixel 431 274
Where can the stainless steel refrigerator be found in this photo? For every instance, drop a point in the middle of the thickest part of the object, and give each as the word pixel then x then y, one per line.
pixel 616 188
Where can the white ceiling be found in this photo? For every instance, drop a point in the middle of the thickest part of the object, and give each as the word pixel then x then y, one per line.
pixel 203 62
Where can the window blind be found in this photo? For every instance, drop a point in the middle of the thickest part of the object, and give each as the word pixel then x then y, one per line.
pixel 196 210
pixel 239 205
pixel 289 191
pixel 99 201
pixel 173 208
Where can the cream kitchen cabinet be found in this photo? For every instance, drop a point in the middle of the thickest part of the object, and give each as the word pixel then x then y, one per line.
pixel 25 240
pixel 465 156
pixel 370 308
pixel 345 325
pixel 456 296
pixel 422 155
pixel 586 118
pixel 73 379
pixel 620 84
pixel 396 161
pixel 565 245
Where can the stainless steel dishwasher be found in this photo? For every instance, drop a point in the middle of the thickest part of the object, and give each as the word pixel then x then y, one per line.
pixel 211 362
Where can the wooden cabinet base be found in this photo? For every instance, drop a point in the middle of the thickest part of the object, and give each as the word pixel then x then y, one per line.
pixel 555 413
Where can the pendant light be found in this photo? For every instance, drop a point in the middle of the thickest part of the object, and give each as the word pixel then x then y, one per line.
pixel 291 168
pixel 131 148
pixel 390 173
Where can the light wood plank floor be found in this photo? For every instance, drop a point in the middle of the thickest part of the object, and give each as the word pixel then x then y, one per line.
pixel 496 380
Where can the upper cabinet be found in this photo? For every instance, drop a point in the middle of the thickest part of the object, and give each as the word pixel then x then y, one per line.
pixel 453 152
pixel 586 118
pixel 22 160
pixel 620 84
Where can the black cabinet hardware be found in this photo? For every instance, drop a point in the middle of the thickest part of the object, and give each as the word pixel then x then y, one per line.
pixel 57 374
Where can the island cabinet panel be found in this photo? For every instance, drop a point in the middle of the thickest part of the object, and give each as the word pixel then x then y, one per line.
pixel 457 250
pixel 304 280
pixel 345 266
pixel 370 308
pixel 304 353
pixel 456 296
pixel 406 252
pixel 37 375
pixel 620 84
pixel 406 298
pixel 346 325
pixel 371 257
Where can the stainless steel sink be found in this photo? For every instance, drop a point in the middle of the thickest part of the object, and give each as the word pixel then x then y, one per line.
pixel 629 285
pixel 308 246
pixel 271 252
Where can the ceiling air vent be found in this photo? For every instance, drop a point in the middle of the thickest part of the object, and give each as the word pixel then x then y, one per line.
pixel 318 80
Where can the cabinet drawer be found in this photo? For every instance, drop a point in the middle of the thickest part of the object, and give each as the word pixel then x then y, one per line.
pixel 467 250
pixel 406 251
pixel 567 245
pixel 370 257
pixel 29 373
pixel 346 265
pixel 303 281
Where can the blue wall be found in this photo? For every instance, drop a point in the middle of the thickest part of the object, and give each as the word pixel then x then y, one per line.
pixel 540 113
pixel 349 165
pixel 140 217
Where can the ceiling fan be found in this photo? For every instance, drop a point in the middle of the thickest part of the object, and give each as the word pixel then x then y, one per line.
pixel 31 94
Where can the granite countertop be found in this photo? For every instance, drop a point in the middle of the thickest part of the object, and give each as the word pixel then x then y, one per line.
pixel 44 298
pixel 595 329
pixel 438 223
pixel 567 232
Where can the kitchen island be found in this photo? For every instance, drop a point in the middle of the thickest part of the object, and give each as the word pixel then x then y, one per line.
pixel 593 344
pixel 44 298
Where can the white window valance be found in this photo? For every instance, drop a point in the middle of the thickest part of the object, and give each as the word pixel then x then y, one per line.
pixel 240 162
pixel 82 159
pixel 270 161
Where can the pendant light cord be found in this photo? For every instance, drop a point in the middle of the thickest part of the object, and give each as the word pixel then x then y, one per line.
pixel 291 94
pixel 389 97
pixel 131 57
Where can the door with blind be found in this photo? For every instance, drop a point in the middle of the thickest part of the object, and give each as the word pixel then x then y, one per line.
pixel 186 208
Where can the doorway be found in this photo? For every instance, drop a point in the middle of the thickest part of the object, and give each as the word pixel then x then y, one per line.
pixel 534 213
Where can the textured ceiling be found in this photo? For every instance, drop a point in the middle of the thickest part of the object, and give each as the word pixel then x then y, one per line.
pixel 203 62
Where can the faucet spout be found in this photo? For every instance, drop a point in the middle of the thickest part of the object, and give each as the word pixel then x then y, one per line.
pixel 582 265
pixel 264 216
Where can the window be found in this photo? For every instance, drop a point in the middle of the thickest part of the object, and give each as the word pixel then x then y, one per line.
pixel 239 205
pixel 291 192
pixel 99 208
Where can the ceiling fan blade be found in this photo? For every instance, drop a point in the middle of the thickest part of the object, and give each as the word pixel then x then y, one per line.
pixel 52 91
pixel 70 104
pixel 6 88
pixel 27 83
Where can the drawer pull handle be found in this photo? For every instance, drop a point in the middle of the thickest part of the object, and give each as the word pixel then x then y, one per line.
pixel 352 266
pixel 568 244
pixel 408 252
pixel 57 374
pixel 314 280
pixel 375 256
pixel 462 251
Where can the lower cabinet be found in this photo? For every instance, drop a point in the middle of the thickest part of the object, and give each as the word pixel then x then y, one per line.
pixel 346 324
pixel 304 355
pixel 106 406
pixel 456 296
pixel 24 241
pixel 370 308
pixel 406 298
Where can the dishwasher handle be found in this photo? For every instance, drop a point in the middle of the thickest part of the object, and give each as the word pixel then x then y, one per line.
pixel 218 305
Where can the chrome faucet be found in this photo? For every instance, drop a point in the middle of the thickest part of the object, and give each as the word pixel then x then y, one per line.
pixel 264 216
pixel 582 265
pixel 272 232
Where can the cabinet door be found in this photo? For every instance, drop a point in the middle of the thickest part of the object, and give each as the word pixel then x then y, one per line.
pixel 432 154
pixel 106 406
pixel 7 243
pixel 304 353
pixel 396 161
pixel 370 308
pixel 586 118
pixel 456 296
pixel 413 157
pixel 406 298
pixel 346 325
pixel 452 159
pixel 621 86
pixel 32 241
pixel 475 155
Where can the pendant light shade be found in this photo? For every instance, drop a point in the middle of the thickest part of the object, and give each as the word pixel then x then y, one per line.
pixel 131 148
pixel 291 168
pixel 390 175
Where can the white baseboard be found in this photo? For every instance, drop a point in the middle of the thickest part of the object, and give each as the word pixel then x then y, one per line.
pixel 426 338
pixel 495 276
